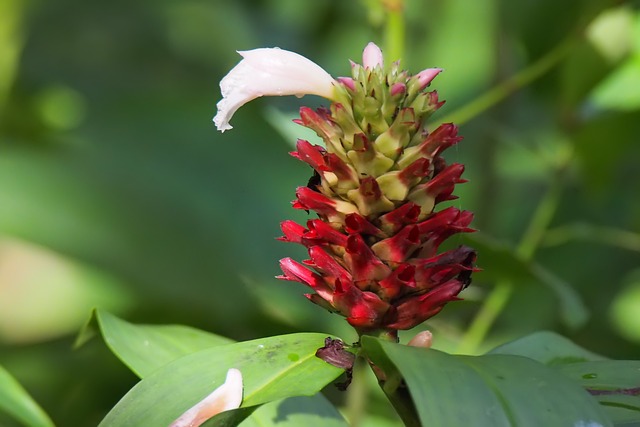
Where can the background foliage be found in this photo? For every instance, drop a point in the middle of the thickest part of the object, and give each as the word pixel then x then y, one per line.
pixel 116 191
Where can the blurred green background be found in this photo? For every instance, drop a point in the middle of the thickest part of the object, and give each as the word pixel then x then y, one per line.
pixel 116 190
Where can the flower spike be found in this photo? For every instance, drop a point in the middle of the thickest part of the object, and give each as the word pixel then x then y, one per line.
pixel 374 248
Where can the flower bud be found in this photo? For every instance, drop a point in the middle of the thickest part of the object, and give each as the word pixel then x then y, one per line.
pixel 372 56
pixel 422 339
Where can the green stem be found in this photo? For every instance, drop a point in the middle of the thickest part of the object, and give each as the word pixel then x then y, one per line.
pixel 489 312
pixel 356 401
pixel 11 42
pixel 511 85
pixel 540 221
pixel 591 233
pixel 497 300
pixel 390 335
pixel 394 31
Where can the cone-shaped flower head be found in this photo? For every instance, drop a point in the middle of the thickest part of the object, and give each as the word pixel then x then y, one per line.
pixel 274 72
pixel 374 248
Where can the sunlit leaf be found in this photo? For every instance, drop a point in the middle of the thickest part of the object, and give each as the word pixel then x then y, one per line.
pixel 615 92
pixel 490 390
pixel 17 403
pixel 272 369
pixel 145 348
pixel 625 309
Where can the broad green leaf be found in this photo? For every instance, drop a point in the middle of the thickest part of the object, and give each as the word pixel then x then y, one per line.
pixel 548 348
pixel 614 383
pixel 17 403
pixel 490 390
pixel 273 368
pixel 145 348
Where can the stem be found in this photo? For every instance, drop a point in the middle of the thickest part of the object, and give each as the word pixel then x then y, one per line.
pixel 511 85
pixel 403 404
pixel 540 221
pixel 11 43
pixel 394 30
pixel 390 335
pixel 587 232
pixel 356 401
pixel 497 300
pixel 489 312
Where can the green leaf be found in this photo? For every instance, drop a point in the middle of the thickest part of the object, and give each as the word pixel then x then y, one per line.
pixel 17 403
pixel 548 348
pixel 490 390
pixel 614 383
pixel 145 348
pixel 273 368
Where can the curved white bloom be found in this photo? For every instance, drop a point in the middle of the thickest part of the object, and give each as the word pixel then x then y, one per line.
pixel 372 56
pixel 272 72
pixel 227 396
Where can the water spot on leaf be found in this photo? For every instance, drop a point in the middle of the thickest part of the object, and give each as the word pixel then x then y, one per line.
pixel 293 357
pixel 590 376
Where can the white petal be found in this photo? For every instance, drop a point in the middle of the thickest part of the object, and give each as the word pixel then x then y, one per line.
pixel 227 396
pixel 271 72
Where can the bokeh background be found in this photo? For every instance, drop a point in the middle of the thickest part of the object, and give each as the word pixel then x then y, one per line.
pixel 117 192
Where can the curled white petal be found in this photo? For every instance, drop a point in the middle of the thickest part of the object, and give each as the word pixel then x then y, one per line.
pixel 271 72
pixel 372 56
pixel 227 396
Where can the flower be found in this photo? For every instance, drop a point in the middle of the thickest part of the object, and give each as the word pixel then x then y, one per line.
pixel 373 249
pixel 224 398
pixel 269 71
